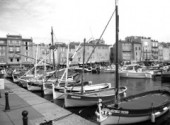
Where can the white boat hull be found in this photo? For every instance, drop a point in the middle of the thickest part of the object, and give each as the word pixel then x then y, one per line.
pixel 127 74
pixel 60 94
pixel 115 120
pixel 33 88
pixel 56 94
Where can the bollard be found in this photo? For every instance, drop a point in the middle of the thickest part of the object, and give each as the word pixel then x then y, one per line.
pixel 42 91
pixel 7 108
pixel 24 117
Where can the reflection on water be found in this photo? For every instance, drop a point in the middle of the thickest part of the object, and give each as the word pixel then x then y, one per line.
pixel 134 86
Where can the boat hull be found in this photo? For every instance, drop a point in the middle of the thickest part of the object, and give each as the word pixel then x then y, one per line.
pixel 58 92
pixel 135 75
pixel 47 88
pixel 135 109
pixel 90 99
pixel 34 86
pixel 23 82
pixel 129 120
pixel 15 79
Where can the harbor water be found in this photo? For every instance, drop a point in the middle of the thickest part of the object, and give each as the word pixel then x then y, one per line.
pixel 134 86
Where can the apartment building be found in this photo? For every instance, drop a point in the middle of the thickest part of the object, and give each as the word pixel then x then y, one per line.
pixel 155 50
pixel 126 50
pixel 3 51
pixel 14 49
pixel 136 51
pixel 146 48
pixel 160 52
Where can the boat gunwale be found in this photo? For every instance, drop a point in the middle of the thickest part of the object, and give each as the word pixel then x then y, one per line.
pixel 142 111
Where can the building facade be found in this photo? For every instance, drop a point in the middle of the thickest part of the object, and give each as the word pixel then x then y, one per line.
pixel 137 52
pixel 126 50
pixel 101 53
pixel 14 49
pixel 155 50
pixel 3 51
pixel 160 52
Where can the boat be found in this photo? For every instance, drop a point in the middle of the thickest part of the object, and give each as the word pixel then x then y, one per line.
pixel 74 86
pixel 89 95
pixel 80 69
pixel 135 71
pixel 90 98
pixel 59 84
pixel 135 108
pixel 108 69
pixel 23 80
pixel 15 77
pixel 35 84
pixel 16 73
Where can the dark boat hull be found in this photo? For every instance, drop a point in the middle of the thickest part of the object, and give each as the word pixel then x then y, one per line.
pixel 135 109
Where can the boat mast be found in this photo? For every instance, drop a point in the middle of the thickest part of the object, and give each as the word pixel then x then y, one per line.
pixel 82 78
pixel 117 62
pixel 66 75
pixel 53 45
pixel 35 70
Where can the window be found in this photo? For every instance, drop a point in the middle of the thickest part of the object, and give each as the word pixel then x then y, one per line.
pixel 18 42
pixel 26 53
pixel 17 59
pixel 1 42
pixel 10 42
pixel 17 49
pixel 10 49
pixel 11 59
pixel 26 47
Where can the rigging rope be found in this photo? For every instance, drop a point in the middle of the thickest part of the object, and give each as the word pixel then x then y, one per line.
pixel 100 36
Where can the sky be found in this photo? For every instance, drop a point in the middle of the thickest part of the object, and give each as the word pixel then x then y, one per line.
pixel 74 20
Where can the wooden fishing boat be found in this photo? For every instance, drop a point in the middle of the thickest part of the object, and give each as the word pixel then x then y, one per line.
pixel 132 109
pixel 59 84
pixel 59 91
pixel 42 84
pixel 90 98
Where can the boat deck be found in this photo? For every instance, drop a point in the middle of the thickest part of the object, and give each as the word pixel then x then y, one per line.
pixel 147 101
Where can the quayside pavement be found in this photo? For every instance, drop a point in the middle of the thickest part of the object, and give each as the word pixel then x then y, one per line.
pixel 39 109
